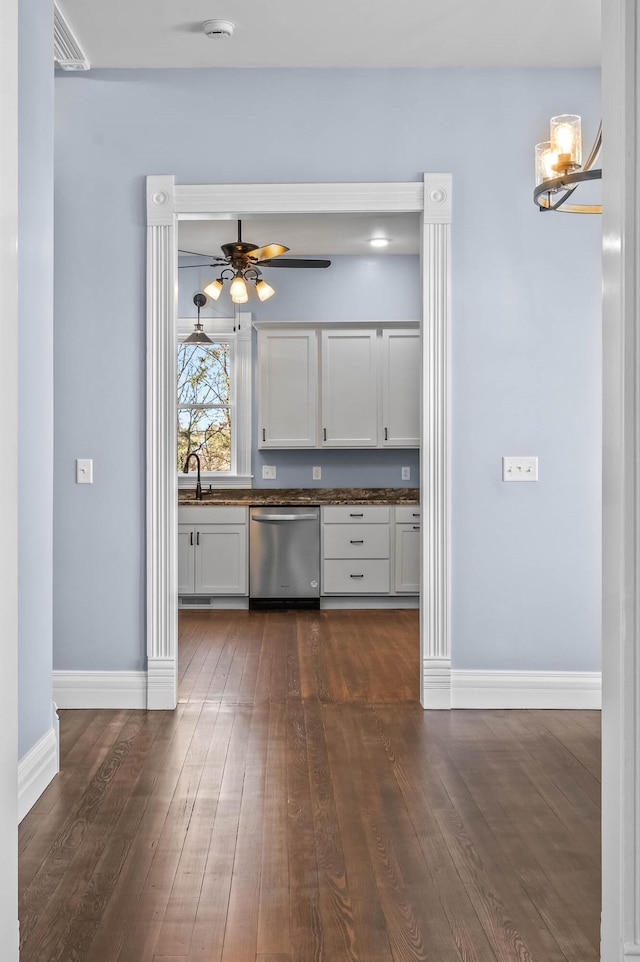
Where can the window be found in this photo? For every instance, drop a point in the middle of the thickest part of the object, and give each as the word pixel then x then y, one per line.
pixel 204 404
pixel 214 402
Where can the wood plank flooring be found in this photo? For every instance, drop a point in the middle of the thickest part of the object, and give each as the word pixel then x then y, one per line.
pixel 299 806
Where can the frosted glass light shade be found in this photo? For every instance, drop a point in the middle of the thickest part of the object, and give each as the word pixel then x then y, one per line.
pixel 213 290
pixel 264 290
pixel 546 158
pixel 566 141
pixel 238 290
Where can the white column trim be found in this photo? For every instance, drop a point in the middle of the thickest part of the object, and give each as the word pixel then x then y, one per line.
pixel 435 470
pixel 162 485
pixel 166 203
pixel 621 486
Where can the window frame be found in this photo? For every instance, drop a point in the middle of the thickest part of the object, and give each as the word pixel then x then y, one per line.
pixel 240 340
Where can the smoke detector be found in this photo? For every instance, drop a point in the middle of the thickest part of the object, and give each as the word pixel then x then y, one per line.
pixel 218 28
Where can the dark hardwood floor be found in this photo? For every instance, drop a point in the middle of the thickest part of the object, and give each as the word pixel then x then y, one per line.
pixel 299 806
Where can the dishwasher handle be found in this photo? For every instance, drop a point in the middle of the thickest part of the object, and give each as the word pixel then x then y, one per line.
pixel 276 518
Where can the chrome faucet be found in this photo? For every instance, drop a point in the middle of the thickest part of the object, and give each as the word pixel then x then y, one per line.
pixel 193 454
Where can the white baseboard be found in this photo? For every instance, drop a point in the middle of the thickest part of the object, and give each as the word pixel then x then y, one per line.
pixel 526 689
pixel 224 603
pixel 344 602
pixel 35 770
pixel 100 689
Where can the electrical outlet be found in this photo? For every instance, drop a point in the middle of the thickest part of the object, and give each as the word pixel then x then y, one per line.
pixel 316 473
pixel 84 471
pixel 268 472
pixel 406 474
pixel 520 469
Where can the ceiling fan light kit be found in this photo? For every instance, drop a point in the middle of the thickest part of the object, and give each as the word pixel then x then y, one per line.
pixel 559 169
pixel 241 263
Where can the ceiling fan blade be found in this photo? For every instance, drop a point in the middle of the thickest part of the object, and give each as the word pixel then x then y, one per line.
pixel 211 263
pixel 271 250
pixel 294 262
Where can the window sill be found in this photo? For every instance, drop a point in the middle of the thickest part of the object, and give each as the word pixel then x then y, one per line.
pixel 229 481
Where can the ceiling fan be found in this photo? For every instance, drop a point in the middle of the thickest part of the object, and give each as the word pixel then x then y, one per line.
pixel 241 262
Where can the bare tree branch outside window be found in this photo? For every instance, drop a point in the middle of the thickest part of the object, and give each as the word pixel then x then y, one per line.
pixel 204 405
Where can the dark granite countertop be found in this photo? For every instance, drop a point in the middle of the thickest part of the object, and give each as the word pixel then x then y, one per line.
pixel 260 496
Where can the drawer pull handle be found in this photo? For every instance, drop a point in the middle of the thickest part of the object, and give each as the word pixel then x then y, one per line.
pixel 352 515
pixel 416 527
pixel 357 542
pixel 416 514
pixel 356 576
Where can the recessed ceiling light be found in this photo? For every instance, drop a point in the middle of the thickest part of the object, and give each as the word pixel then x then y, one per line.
pixel 218 28
pixel 379 241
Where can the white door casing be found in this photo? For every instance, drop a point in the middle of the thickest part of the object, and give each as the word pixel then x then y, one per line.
pixel 9 932
pixel 621 485
pixel 166 203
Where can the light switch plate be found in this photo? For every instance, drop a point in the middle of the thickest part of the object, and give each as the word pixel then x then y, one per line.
pixel 84 471
pixel 316 473
pixel 520 469
pixel 406 474
pixel 268 472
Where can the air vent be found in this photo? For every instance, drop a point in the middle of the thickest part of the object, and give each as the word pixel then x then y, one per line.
pixel 67 52
pixel 196 601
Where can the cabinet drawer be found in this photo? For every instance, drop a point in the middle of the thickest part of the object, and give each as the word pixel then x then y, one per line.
pixel 213 514
pixel 356 541
pixel 408 513
pixel 355 577
pixel 355 514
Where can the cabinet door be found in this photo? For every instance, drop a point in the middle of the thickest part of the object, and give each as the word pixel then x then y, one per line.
pixel 287 389
pixel 401 371
pixel 186 559
pixel 349 389
pixel 221 559
pixel 407 558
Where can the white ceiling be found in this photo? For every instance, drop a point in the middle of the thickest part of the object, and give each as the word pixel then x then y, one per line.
pixel 335 33
pixel 311 234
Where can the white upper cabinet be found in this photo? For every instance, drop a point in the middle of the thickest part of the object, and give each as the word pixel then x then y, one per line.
pixel 287 389
pixel 340 386
pixel 400 370
pixel 349 402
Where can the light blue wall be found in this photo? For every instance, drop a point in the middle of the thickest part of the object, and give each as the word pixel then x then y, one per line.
pixel 526 327
pixel 35 369
pixel 352 289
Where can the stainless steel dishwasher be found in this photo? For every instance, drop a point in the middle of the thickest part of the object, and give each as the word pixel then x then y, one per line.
pixel 284 557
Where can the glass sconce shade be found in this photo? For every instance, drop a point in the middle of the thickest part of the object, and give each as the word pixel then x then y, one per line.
pixel 264 290
pixel 546 158
pixel 566 142
pixel 238 290
pixel 213 290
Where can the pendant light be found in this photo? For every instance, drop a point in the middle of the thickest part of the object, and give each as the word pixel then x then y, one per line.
pixel 198 336
pixel 559 167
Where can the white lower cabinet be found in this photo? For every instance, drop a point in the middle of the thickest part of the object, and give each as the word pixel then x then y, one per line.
pixel 407 549
pixel 367 550
pixel 356 550
pixel 370 550
pixel 212 551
